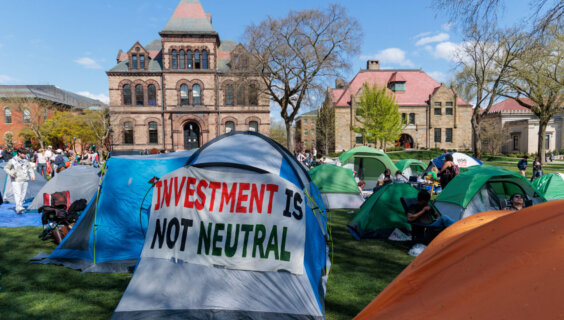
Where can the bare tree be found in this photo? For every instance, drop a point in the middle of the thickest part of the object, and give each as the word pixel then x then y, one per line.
pixel 325 126
pixel 295 54
pixel 493 137
pixel 98 121
pixel 485 60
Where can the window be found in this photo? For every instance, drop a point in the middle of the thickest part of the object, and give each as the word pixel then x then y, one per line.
pixel 438 104
pixel 253 126
pixel 359 139
pixel 229 95
pixel 152 94
pixel 181 60
pixel 448 111
pixel 312 132
pixel 204 59
pixel 412 118
pixel 448 135
pixel 174 60
pixel 253 95
pixel 437 111
pixel 229 126
pixel 184 95
pixel 397 86
pixel 243 62
pixel 448 103
pixel 153 133
pixel 189 62
pixel 26 116
pixel 7 115
pixel 196 95
pixel 515 142
pixel 305 132
pixel 126 94
pixel 404 118
pixel 128 133
pixel 547 142
pixel 305 143
pixel 139 95
pixel 142 61
pixel 134 61
pixel 437 135
pixel 196 59
pixel 241 95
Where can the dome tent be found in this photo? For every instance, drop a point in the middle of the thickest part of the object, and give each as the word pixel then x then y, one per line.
pixel 462 160
pixel 182 283
pixel 410 167
pixel 369 164
pixel 550 185
pixel 382 213
pixel 482 188
pixel 7 192
pixel 337 186
pixel 493 265
pixel 109 234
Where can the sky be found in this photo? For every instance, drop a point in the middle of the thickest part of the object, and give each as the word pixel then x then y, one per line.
pixel 71 43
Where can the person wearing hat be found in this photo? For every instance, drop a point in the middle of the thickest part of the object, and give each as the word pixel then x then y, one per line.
pixel 59 163
pixel 20 171
pixel 522 165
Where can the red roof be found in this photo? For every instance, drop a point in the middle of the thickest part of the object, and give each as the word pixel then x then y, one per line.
pixel 189 10
pixel 397 78
pixel 336 94
pixel 509 105
pixel 418 86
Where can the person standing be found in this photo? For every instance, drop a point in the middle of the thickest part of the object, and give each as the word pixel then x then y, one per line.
pixel 20 171
pixel 522 165
pixel 537 168
pixel 41 163
pixel 448 171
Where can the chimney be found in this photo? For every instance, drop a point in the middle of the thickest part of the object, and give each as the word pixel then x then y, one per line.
pixel 209 16
pixel 373 65
pixel 339 83
pixel 118 58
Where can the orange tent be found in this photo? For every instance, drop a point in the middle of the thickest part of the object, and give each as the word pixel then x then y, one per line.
pixel 492 265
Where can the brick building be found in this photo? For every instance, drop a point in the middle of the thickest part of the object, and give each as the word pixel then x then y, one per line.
pixel 305 130
pixel 207 88
pixel 30 105
pixel 436 117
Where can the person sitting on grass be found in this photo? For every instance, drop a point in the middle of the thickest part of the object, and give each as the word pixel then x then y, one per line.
pixel 425 222
pixel 400 178
pixel 385 178
pixel 516 202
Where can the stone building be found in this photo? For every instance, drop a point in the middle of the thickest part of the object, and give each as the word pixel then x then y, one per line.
pixel 305 130
pixel 512 128
pixel 436 117
pixel 30 105
pixel 184 89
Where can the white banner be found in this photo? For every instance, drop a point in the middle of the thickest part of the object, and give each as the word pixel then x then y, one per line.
pixel 237 220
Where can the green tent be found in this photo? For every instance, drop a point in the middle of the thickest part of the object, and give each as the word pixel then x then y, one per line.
pixel 369 163
pixel 411 167
pixel 551 185
pixel 483 188
pixel 337 186
pixel 382 213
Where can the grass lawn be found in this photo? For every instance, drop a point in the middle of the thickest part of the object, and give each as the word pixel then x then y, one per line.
pixel 361 269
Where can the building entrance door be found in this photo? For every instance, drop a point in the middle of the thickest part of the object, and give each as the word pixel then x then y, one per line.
pixel 191 136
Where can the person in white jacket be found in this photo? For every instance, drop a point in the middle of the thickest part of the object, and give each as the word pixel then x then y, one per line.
pixel 20 171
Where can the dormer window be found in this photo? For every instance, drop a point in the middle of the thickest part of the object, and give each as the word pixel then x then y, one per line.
pixel 397 86
pixel 134 61
pixel 138 57
pixel 142 61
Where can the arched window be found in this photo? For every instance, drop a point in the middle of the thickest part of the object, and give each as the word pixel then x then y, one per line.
pixel 196 95
pixel 128 132
pixel 229 99
pixel 253 95
pixel 253 126
pixel 184 95
pixel 174 59
pixel 26 116
pixel 153 133
pixel 7 115
pixel 134 61
pixel 152 94
pixel 204 59
pixel 190 63
pixel 139 95
pixel 126 91
pixel 181 61
pixel 142 61
pixel 196 59
pixel 229 126
pixel 241 95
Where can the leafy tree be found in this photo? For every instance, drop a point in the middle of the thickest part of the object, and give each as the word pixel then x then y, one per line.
pixel 325 126
pixel 378 115
pixel 295 54
pixel 278 132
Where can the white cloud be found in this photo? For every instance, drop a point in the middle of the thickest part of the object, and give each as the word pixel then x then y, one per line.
pixel 6 79
pixel 446 27
pixel 102 97
pixel 437 75
pixel 447 50
pixel 394 56
pixel 436 38
pixel 421 35
pixel 88 63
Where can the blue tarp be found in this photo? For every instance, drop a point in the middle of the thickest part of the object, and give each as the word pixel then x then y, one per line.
pixel 9 217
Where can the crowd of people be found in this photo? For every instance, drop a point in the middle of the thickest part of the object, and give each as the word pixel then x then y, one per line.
pixel 309 158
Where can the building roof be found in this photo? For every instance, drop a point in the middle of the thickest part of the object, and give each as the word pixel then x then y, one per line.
pixel 418 86
pixel 510 105
pixel 224 55
pixel 50 93
pixel 312 113
pixel 189 18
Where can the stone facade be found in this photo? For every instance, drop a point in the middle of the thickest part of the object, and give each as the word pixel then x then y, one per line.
pixel 202 88
pixel 305 131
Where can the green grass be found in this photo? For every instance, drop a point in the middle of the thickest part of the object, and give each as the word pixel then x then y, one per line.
pixel 361 269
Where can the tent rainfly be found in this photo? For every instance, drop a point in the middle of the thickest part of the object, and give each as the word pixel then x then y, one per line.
pixel 461 159
pixel 7 192
pixel 550 185
pixel 369 164
pixel 410 167
pixel 337 186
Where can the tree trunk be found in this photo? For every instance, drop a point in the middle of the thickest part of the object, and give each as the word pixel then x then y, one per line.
pixel 476 142
pixel 542 131
pixel 289 137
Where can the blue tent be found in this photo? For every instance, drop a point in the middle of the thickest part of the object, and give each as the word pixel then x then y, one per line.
pixel 181 287
pixel 109 235
pixel 461 159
